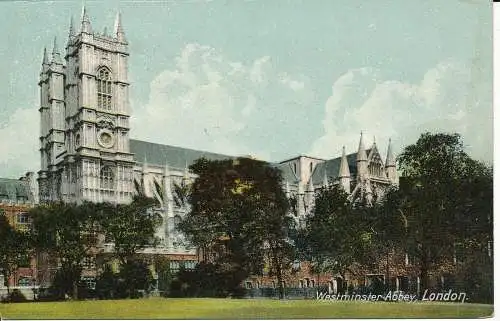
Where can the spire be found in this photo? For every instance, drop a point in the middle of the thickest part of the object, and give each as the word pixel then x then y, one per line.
pixel 361 150
pixel 86 27
pixel 390 161
pixel 144 165
pixel 56 56
pixel 45 60
pixel 119 33
pixel 325 179
pixel 71 27
pixel 344 166
pixel 185 176
pixel 105 31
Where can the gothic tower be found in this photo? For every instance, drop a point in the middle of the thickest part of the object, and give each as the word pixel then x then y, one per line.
pixel 85 118
pixel 362 161
pixel 344 173
pixel 390 165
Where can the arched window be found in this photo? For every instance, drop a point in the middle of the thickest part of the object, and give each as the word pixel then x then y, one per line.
pixel 104 89
pixel 106 178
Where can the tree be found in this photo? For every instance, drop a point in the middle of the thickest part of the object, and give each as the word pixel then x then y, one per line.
pixel 239 207
pixel 14 248
pixel 67 232
pixel 445 197
pixel 130 227
pixel 336 234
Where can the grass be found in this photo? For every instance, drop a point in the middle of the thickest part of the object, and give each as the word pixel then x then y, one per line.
pixel 161 308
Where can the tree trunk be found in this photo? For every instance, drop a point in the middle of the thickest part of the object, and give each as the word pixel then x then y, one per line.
pixel 7 277
pixel 281 290
pixel 424 273
pixel 75 290
pixel 279 276
pixel 387 277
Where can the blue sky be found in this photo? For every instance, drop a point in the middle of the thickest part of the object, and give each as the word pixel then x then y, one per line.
pixel 271 79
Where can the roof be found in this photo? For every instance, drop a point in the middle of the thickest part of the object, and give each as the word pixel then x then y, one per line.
pixel 286 172
pixel 176 157
pixel 332 167
pixel 13 190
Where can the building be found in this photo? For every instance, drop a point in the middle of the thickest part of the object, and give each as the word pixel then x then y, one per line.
pixel 17 197
pixel 86 151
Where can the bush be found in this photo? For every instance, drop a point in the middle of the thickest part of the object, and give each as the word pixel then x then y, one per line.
pixel 15 296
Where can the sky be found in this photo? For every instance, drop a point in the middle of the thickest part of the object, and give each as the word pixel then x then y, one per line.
pixel 272 79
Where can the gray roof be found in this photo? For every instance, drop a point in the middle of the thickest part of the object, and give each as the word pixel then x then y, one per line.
pixel 13 190
pixel 179 157
pixel 176 157
pixel 286 172
pixel 332 167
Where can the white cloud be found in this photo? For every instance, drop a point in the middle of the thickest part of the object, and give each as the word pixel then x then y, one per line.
pixel 210 103
pixel 19 143
pixel 362 100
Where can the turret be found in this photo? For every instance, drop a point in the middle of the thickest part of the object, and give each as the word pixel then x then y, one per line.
pixel 362 160
pixel 71 29
pixel 45 64
pixel 390 165
pixel 145 165
pixel 56 56
pixel 86 26
pixel 344 173
pixel 185 176
pixel 119 33
pixel 325 179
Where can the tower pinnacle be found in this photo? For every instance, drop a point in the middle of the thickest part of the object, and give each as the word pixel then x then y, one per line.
pixel 390 161
pixel 119 33
pixel 325 179
pixel 45 60
pixel 71 27
pixel 361 150
pixel 56 56
pixel 86 27
pixel 344 167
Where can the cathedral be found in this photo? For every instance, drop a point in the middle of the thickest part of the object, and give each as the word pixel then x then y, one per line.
pixel 87 154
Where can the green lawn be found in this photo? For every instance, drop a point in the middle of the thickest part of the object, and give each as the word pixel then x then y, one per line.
pixel 160 308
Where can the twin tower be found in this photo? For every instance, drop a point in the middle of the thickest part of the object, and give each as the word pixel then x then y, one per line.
pixel 84 113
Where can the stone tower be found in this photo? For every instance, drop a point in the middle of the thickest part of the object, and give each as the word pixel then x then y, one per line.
pixel 84 112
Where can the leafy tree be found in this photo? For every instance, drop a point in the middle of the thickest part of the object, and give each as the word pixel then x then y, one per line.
pixel 336 234
pixel 68 232
pixel 14 248
pixel 107 284
pixel 385 232
pixel 134 275
pixel 130 227
pixel 239 210
pixel 445 197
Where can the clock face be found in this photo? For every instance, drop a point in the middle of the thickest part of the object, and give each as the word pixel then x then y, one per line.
pixel 106 139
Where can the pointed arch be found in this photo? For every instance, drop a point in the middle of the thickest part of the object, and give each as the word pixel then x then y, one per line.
pixel 104 86
pixel 106 178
